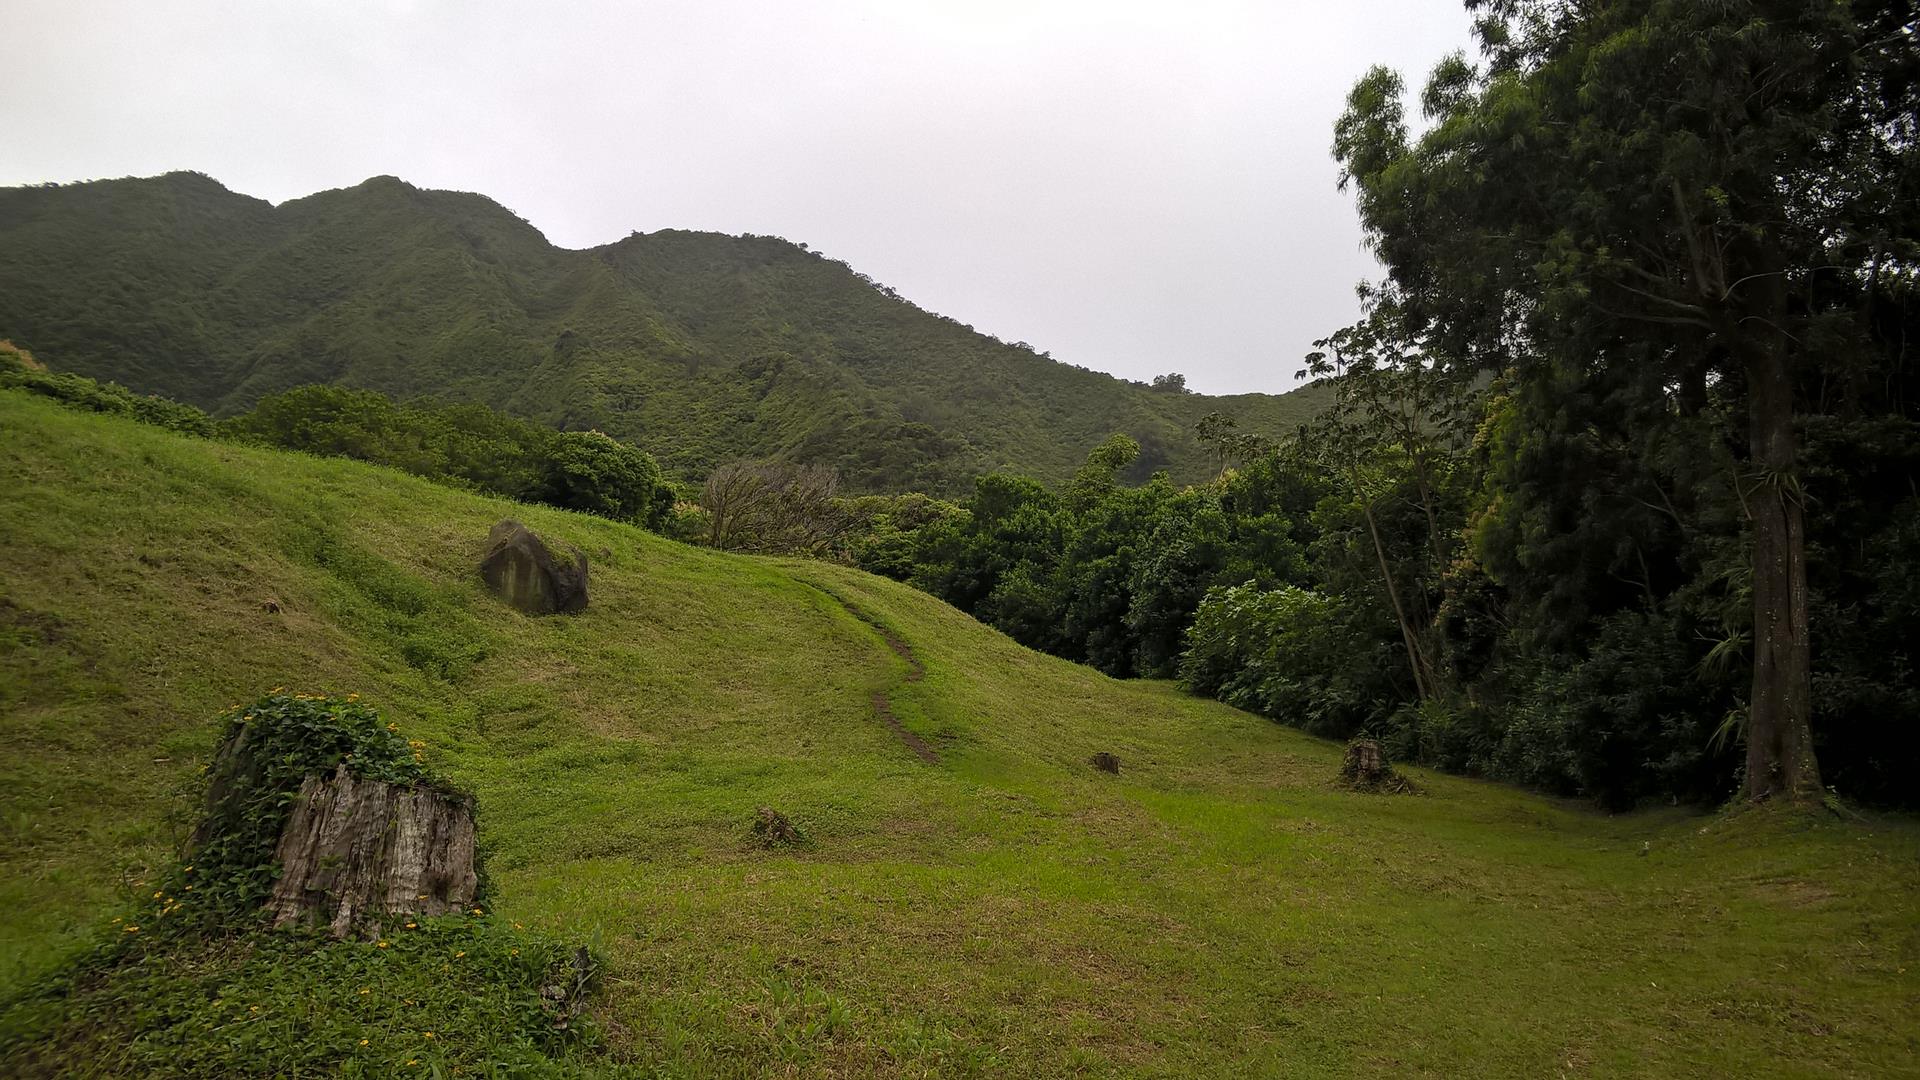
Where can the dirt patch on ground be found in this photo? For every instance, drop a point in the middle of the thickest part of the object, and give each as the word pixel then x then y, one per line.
pixel 914 742
pixel 916 671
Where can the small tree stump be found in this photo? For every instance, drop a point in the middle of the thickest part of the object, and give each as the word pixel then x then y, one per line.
pixel 773 828
pixel 1105 762
pixel 1366 769
pixel 354 848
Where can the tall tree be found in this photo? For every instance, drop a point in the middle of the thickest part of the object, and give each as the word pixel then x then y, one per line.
pixel 1713 193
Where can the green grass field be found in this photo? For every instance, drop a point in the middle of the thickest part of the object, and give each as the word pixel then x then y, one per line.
pixel 1221 908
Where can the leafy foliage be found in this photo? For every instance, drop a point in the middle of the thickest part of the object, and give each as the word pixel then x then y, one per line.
pixel 592 472
pixel 1098 572
pixel 1664 222
pixel 80 392
pixel 469 445
pixel 1286 652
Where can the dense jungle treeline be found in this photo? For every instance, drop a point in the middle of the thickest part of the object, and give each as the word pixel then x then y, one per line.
pixel 1579 613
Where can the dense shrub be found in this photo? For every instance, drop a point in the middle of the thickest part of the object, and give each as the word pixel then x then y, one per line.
pixel 468 445
pixel 596 474
pixel 1289 653
pixel 80 392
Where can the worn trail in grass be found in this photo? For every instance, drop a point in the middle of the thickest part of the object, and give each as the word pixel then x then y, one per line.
pixel 882 700
pixel 1219 908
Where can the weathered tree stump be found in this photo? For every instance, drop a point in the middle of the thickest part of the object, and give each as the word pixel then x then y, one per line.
pixel 1365 763
pixel 355 848
pixel 1106 762
pixel 1366 769
pixel 525 572
pixel 773 828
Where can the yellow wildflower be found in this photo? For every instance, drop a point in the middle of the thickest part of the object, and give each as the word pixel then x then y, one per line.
pixel 366 990
pixel 363 1042
pixel 459 954
pixel 380 945
pixel 413 926
pixel 353 697
pixel 131 929
pixel 477 911
pixel 426 1034
pixel 253 1008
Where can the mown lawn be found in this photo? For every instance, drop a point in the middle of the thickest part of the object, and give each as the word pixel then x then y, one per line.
pixel 1219 908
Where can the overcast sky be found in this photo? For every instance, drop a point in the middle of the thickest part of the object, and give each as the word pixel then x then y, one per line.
pixel 1136 188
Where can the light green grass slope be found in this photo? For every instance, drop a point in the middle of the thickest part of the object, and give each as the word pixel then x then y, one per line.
pixel 1218 909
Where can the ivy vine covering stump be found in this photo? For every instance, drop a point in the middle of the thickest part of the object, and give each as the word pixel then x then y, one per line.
pixel 319 813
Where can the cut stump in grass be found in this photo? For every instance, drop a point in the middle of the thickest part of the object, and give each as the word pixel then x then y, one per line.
pixel 1366 769
pixel 354 849
pixel 773 828
pixel 1106 762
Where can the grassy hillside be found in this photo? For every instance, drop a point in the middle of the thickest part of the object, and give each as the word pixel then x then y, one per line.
pixel 1220 908
pixel 696 346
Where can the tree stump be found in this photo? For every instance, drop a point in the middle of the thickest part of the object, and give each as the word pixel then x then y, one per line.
pixel 526 573
pixel 773 828
pixel 354 848
pixel 1366 769
pixel 1106 762
pixel 1365 763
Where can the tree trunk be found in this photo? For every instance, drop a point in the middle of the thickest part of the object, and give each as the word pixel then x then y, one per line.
pixel 1415 656
pixel 354 848
pixel 1780 759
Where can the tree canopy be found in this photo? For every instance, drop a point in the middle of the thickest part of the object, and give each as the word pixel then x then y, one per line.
pixel 1678 213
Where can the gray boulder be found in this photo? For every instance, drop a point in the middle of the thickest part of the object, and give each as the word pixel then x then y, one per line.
pixel 523 571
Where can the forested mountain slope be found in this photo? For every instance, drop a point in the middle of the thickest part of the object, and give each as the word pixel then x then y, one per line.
pixel 697 347
pixel 1220 908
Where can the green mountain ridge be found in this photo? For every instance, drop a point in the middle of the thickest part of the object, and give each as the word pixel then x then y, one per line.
pixel 697 347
